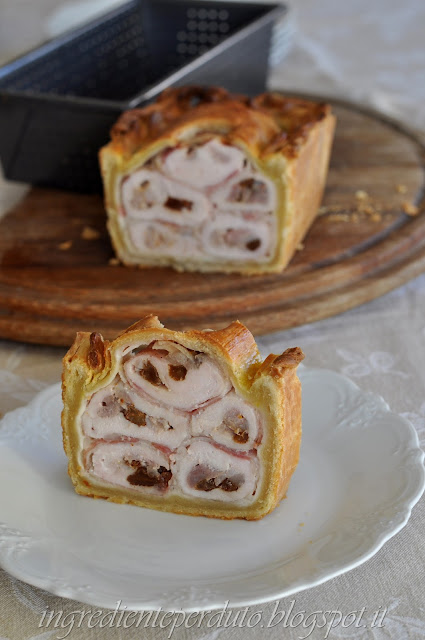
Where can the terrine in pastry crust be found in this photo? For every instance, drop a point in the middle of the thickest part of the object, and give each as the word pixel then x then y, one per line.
pixel 205 180
pixel 189 422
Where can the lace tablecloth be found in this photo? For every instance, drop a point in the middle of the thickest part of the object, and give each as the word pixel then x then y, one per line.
pixel 371 52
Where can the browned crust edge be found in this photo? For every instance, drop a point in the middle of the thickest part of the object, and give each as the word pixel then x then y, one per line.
pixel 269 123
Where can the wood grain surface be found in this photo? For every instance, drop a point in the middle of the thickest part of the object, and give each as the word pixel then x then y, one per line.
pixel 55 278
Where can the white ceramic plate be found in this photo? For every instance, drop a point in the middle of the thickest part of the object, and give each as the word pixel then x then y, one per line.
pixel 361 471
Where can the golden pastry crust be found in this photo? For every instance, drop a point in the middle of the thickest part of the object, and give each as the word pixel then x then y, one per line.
pixel 287 139
pixel 271 386
pixel 268 124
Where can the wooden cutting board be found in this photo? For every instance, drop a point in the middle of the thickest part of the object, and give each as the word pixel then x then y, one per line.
pixel 55 281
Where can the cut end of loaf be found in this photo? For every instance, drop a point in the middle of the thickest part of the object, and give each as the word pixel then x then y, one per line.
pixel 175 421
pixel 203 180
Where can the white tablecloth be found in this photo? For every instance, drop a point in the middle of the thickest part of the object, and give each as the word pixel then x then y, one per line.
pixel 372 52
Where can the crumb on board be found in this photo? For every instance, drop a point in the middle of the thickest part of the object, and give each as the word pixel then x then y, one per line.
pixel 88 233
pixel 64 246
pixel 364 210
pixel 339 217
pixel 410 209
pixel 401 188
pixel 114 262
pixel 361 195
pixel 300 246
pixel 373 213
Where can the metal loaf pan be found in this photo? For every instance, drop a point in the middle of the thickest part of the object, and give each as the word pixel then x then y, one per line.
pixel 58 102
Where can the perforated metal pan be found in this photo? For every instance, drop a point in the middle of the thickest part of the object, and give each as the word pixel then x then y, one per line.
pixel 58 102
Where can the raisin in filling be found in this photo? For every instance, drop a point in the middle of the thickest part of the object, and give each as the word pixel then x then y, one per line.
pixel 209 484
pixel 178 204
pixel 141 197
pixel 239 426
pixel 253 245
pixel 109 407
pixel 145 477
pixel 248 191
pixel 200 478
pixel 150 374
pixel 177 371
pixel 135 416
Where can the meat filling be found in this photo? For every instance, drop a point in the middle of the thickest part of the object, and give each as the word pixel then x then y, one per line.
pixel 231 422
pixel 154 372
pixel 237 424
pixel 249 191
pixel 203 467
pixel 116 413
pixel 239 236
pixel 149 467
pixel 172 422
pixel 196 200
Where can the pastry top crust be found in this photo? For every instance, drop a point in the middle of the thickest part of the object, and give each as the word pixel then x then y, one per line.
pixel 267 125
pixel 98 359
